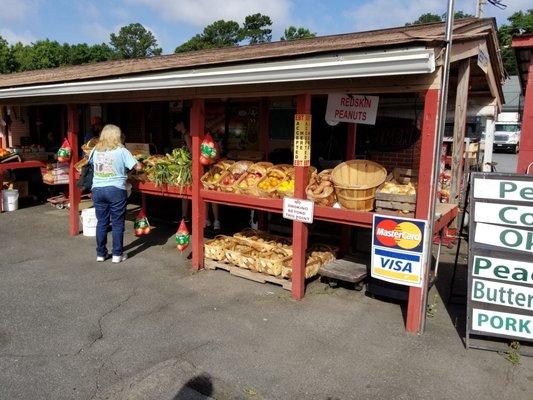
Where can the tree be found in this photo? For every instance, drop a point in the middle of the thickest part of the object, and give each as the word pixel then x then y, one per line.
pixel 101 52
pixel 430 17
pixel 293 33
pixel 5 57
pixel 219 34
pixel 134 41
pixel 520 23
pixel 256 28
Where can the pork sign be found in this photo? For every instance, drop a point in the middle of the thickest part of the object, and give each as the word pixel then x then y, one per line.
pixel 500 273
pixel 352 108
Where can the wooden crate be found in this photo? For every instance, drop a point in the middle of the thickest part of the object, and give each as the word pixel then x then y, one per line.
pixel 397 202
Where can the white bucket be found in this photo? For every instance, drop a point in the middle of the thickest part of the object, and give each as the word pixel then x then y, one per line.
pixel 88 219
pixel 10 199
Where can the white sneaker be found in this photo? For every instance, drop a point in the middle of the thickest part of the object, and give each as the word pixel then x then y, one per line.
pixel 100 258
pixel 117 259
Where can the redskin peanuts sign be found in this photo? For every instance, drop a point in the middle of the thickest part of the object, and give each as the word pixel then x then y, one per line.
pixel 352 108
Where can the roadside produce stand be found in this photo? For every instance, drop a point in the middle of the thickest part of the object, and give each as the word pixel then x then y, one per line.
pixel 400 66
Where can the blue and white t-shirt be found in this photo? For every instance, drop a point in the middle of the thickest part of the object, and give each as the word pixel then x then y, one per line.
pixel 110 167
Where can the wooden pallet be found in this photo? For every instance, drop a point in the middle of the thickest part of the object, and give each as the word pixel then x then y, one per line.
pixel 247 274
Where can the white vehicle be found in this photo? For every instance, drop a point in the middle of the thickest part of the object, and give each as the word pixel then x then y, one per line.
pixel 507 132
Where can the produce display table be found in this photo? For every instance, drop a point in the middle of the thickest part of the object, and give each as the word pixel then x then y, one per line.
pixel 16 165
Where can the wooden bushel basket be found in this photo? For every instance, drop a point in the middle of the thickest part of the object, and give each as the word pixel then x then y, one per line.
pixel 356 182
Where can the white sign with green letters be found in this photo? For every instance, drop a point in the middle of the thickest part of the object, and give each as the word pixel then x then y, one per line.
pixel 500 278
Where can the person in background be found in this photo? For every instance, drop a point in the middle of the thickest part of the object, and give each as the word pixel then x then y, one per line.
pixel 183 138
pixel 94 131
pixel 111 160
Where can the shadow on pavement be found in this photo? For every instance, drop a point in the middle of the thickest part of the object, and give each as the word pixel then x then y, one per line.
pixel 201 384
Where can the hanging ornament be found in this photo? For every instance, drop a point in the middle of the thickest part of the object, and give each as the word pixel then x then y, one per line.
pixel 64 152
pixel 183 237
pixel 141 226
pixel 208 150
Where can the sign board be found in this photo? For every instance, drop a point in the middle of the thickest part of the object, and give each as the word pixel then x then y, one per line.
pixel 500 270
pixel 352 108
pixel 483 58
pixel 398 250
pixel 298 209
pixel 302 140
pixel 139 148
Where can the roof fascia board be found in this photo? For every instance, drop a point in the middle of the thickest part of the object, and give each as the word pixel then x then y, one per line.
pixel 418 60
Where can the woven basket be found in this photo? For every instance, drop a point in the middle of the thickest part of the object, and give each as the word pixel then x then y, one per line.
pixel 215 249
pixel 213 184
pixel 271 192
pixel 356 182
pixel 263 241
pixel 240 167
pixel 241 256
pixel 252 190
pixel 312 265
pixel 272 262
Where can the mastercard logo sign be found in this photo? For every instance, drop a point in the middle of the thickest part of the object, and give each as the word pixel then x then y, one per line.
pixel 404 234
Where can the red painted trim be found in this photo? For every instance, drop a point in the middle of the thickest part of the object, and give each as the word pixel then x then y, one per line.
pixel 522 41
pixel 299 229
pixel 350 141
pixel 525 156
pixel 238 200
pixel 198 206
pixel 74 193
pixel 162 191
pixel 425 186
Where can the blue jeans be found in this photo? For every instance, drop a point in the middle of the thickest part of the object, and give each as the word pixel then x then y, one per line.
pixel 110 205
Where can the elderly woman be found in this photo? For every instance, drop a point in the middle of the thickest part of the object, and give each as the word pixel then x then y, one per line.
pixel 111 161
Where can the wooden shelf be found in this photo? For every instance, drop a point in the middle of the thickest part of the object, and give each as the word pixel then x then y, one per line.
pixel 344 216
pixel 163 191
pixel 239 200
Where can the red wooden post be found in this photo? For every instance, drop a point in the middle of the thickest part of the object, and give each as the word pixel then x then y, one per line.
pixel 74 193
pixel 198 205
pixel 525 156
pixel 425 187
pixel 299 229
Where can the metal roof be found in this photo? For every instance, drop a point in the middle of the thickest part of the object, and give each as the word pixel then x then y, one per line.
pixel 429 35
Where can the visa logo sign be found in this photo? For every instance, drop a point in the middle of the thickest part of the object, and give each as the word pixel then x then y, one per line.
pixel 397 266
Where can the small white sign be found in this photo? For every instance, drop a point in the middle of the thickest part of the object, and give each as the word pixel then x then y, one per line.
pixel 504 237
pixel 503 190
pixel 504 214
pixel 298 209
pixel 355 109
pixel 502 323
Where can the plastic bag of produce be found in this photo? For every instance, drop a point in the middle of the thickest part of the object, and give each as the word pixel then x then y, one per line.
pixel 141 226
pixel 64 152
pixel 183 237
pixel 209 152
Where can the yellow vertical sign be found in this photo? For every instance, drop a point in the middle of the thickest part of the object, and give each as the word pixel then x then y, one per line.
pixel 302 140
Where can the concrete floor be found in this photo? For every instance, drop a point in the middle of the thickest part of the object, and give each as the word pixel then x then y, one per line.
pixel 150 328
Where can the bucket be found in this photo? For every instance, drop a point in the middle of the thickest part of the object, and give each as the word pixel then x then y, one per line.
pixel 88 219
pixel 10 199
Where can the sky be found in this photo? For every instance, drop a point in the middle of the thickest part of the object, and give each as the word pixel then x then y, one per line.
pixel 175 21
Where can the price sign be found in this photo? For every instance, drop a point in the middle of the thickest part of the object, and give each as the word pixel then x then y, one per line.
pixel 302 140
pixel 298 210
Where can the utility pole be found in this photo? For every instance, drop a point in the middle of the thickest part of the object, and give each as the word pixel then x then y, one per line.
pixel 480 7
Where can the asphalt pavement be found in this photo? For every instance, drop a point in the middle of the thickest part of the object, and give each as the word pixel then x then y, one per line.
pixel 506 161
pixel 151 328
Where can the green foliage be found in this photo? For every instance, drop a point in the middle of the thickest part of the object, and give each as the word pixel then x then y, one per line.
pixel 293 33
pixel 134 41
pixel 256 28
pixel 513 353
pixel 5 56
pixel 430 17
pixel 520 23
pixel 219 34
